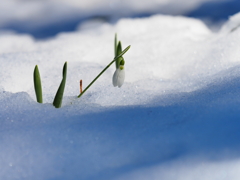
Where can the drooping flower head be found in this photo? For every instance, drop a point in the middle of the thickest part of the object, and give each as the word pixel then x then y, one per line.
pixel 119 74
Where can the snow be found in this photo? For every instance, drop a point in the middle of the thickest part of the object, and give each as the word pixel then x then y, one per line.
pixel 46 18
pixel 175 117
pixel 190 170
pixel 36 10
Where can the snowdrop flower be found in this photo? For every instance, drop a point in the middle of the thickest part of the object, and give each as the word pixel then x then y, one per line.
pixel 119 74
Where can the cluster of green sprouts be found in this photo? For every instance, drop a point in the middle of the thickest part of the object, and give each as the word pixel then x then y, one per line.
pixel 118 76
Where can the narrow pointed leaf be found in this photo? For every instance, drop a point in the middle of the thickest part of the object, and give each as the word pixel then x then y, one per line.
pixel 59 95
pixel 115 45
pixel 119 50
pixel 37 85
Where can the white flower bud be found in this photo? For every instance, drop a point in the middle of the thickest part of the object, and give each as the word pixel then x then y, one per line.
pixel 118 77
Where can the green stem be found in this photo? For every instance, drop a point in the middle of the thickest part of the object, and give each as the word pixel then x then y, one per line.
pixel 122 53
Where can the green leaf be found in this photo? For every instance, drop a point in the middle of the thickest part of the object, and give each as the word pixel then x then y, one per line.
pixel 59 95
pixel 115 45
pixel 37 85
pixel 119 50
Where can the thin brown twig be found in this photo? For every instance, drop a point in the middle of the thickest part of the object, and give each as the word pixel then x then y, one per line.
pixel 80 86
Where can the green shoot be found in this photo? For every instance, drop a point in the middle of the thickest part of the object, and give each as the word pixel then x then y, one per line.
pixel 119 50
pixel 37 85
pixel 59 95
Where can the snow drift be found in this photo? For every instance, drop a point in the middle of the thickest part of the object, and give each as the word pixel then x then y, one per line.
pixel 175 117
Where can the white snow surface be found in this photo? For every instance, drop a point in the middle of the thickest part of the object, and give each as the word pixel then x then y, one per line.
pixel 175 117
pixel 35 14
